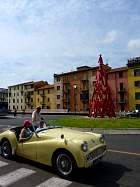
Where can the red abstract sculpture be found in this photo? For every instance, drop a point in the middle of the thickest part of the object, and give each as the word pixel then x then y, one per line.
pixel 101 104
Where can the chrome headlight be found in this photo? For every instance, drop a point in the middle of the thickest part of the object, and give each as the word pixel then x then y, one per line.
pixel 84 146
pixel 102 139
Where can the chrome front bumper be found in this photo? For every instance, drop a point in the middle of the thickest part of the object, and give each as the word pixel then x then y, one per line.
pixel 95 155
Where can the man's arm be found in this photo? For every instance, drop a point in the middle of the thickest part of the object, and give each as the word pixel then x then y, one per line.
pixel 33 116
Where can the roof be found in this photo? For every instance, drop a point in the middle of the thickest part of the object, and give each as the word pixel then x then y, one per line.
pixel 46 87
pixel 3 90
pixel 25 83
pixel 29 83
pixel 80 69
pixel 118 69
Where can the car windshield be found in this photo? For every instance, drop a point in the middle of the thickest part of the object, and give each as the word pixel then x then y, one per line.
pixel 47 128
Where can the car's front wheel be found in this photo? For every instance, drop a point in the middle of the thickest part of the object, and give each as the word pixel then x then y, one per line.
pixel 6 149
pixel 64 164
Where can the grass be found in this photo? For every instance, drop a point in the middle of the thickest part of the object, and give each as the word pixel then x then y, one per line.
pixel 107 123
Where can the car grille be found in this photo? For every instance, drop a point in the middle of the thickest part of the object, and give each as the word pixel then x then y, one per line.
pixel 96 153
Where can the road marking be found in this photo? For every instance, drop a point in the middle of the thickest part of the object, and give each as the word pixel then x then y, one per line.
pixel 14 176
pixel 124 152
pixel 55 182
pixel 3 163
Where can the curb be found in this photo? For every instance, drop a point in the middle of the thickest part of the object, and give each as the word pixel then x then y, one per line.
pixel 110 131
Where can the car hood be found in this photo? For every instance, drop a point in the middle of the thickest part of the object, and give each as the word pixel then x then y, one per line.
pixel 70 134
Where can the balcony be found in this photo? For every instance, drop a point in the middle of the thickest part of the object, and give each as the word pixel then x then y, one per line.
pixel 66 99
pixel 42 103
pixel 66 91
pixel 122 90
pixel 84 96
pixel 122 101
pixel 42 95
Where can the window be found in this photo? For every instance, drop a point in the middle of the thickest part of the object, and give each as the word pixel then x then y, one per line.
pixel 137 83
pixel 93 73
pixel 58 106
pixel 58 87
pixel 58 96
pixel 58 79
pixel 136 72
pixel 121 86
pixel 137 95
pixel 13 100
pixel 137 106
pixel 48 91
pixel 48 99
pixel 120 74
pixel 75 77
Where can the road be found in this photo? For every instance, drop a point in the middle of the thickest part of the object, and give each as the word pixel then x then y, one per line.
pixel 120 166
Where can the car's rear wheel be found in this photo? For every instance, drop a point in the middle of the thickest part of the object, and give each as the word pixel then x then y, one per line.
pixel 6 149
pixel 64 164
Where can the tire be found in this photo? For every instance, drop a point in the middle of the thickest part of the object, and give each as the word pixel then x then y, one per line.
pixel 6 149
pixel 64 164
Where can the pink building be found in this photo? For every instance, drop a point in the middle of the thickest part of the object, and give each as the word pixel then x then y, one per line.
pixel 118 82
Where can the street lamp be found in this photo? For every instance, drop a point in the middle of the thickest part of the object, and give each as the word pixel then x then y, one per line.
pixel 75 103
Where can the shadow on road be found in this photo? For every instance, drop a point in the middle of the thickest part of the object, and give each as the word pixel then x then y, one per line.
pixel 100 175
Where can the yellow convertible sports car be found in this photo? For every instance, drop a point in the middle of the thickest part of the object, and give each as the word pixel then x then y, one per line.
pixel 63 148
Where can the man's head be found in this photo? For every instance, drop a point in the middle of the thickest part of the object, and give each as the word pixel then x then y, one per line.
pixel 38 108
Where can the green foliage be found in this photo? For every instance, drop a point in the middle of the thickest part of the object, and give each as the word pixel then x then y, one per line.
pixel 85 122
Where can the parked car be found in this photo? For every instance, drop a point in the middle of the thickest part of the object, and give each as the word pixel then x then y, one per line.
pixel 62 148
pixel 135 113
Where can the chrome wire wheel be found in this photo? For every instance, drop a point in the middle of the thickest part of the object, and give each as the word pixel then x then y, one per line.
pixel 6 149
pixel 64 164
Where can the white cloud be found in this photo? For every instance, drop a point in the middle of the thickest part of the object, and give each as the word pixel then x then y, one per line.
pixel 110 37
pixel 134 44
pixel 40 37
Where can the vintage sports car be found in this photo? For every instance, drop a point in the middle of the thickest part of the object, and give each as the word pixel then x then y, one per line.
pixel 63 148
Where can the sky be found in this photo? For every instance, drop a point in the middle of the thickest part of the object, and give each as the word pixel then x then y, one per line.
pixel 41 37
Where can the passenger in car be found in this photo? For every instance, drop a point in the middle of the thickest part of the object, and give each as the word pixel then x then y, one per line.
pixel 25 133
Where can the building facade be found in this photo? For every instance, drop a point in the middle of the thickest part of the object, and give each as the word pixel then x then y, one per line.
pixel 45 97
pixel 118 83
pixel 21 96
pixel 134 83
pixel 73 90
pixel 3 100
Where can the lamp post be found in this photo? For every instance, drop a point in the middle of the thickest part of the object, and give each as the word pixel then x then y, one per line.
pixel 75 102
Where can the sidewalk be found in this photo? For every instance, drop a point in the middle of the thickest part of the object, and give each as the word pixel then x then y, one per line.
pixel 110 131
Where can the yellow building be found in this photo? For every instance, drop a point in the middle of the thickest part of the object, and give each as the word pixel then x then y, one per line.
pixel 134 83
pixel 44 97
pixel 21 96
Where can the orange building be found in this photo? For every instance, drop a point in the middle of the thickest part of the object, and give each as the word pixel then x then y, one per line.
pixel 73 90
pixel 118 82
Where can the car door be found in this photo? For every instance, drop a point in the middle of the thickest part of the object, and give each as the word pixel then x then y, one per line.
pixel 43 148
pixel 28 149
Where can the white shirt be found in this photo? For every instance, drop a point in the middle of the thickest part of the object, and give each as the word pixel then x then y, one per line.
pixel 36 118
